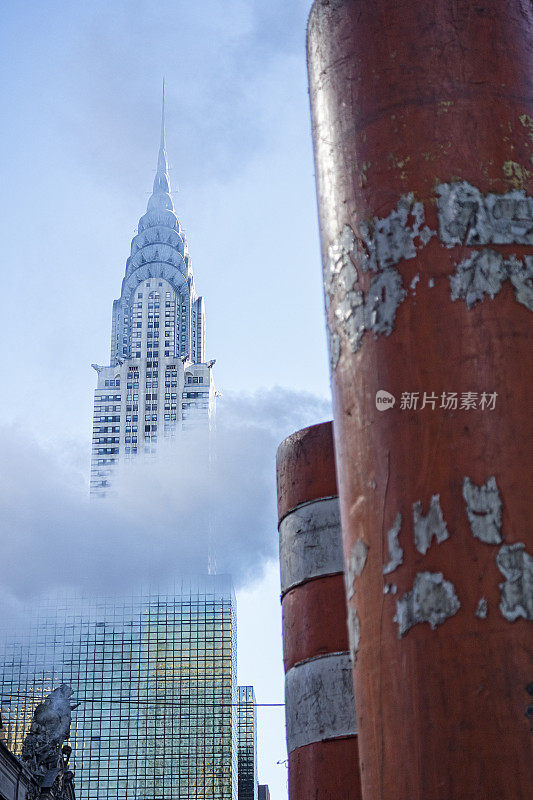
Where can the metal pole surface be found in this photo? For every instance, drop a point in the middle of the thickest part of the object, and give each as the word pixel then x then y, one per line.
pixel 422 115
pixel 320 712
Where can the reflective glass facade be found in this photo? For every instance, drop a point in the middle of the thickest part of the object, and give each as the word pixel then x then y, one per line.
pixel 155 675
pixel 247 744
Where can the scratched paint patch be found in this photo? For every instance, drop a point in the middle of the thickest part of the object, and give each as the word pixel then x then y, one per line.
pixel 432 599
pixel 354 633
pixel 354 566
pixel 482 609
pixel 429 526
pixel 395 551
pixel 516 565
pixel 484 510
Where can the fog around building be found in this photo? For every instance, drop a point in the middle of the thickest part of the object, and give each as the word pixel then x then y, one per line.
pixel 205 491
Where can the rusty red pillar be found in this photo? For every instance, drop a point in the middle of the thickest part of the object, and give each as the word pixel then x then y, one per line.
pixel 423 132
pixel 320 713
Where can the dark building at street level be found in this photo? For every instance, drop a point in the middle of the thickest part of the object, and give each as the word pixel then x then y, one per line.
pixel 247 727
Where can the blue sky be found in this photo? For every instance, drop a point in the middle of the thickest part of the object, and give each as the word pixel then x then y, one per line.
pixel 81 92
pixel 81 84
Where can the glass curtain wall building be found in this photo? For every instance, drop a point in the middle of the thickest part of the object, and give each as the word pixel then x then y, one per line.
pixel 247 744
pixel 155 676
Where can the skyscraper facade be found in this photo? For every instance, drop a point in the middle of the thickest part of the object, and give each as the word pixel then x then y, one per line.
pixel 158 381
pixel 155 676
pixel 247 726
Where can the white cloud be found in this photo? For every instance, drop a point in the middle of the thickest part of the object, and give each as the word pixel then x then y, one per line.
pixel 159 522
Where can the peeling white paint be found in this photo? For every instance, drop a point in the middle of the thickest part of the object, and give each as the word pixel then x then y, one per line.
pixel 334 349
pixel 484 510
pixel 431 525
pixel 391 239
pixel 390 587
pixel 432 599
pixel 350 318
pixel 384 295
pixel 340 276
pixel 356 312
pixel 482 609
pixel 521 276
pixel 382 245
pixel 483 273
pixel 319 700
pixel 468 217
pixel 354 566
pixel 395 551
pixel 340 253
pixel 310 542
pixel 354 632
pixel 516 565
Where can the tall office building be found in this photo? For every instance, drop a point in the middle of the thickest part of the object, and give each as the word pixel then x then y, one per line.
pixel 158 381
pixel 247 725
pixel 155 676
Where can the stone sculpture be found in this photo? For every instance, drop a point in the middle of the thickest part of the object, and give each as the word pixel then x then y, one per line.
pixel 50 727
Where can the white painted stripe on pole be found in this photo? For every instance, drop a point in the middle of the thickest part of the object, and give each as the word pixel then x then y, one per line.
pixel 319 700
pixel 310 542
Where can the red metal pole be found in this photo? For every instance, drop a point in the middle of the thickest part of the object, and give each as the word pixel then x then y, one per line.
pixel 423 132
pixel 321 729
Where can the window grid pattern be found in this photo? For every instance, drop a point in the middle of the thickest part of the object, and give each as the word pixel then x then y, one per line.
pixel 247 729
pixel 155 676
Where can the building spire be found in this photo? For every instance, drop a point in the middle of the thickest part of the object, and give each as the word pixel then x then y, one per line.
pixel 162 144
pixel 161 192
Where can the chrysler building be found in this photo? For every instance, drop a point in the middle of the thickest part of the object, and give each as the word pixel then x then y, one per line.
pixel 158 381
